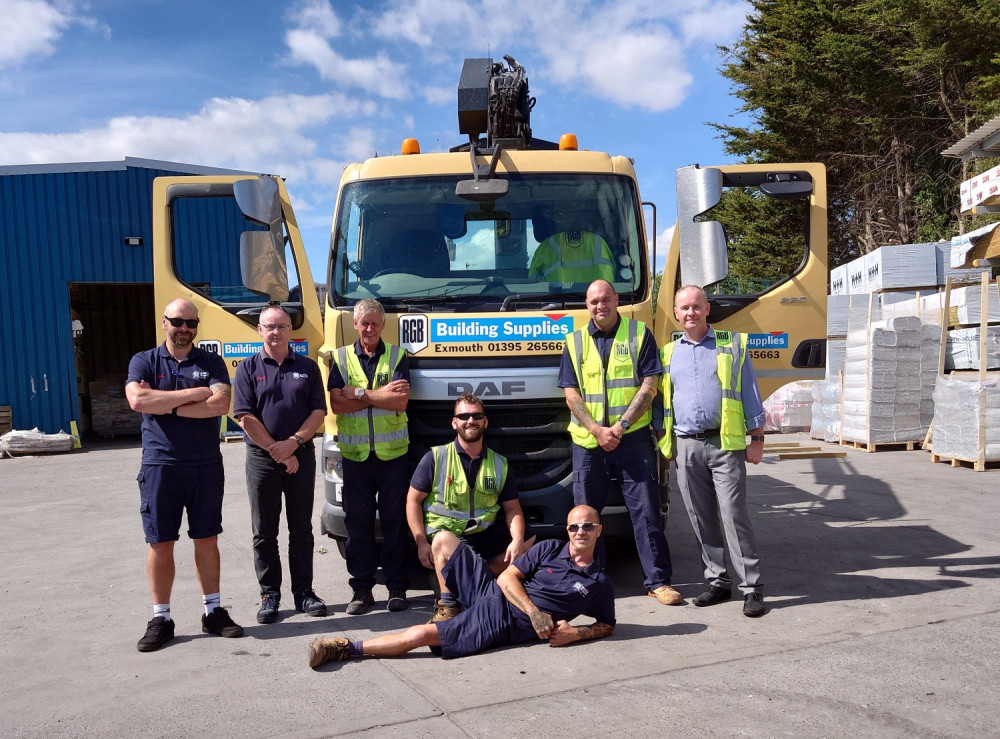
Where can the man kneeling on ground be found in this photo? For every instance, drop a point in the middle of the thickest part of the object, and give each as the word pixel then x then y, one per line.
pixel 536 597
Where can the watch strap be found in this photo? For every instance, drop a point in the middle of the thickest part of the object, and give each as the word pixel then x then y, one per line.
pixel 756 437
pixel 299 439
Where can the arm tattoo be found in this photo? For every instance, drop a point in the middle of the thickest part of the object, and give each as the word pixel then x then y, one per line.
pixel 579 409
pixel 640 403
pixel 512 597
pixel 595 630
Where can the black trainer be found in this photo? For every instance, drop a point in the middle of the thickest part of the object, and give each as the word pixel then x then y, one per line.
pixel 309 602
pixel 158 632
pixel 397 600
pixel 268 612
pixel 219 623
pixel 361 602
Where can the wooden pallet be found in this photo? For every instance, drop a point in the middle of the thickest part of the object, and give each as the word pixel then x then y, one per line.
pixel 872 446
pixel 977 465
pixel 811 455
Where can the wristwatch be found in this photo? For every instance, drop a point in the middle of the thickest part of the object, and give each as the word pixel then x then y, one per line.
pixel 299 440
pixel 359 393
pixel 624 424
pixel 756 437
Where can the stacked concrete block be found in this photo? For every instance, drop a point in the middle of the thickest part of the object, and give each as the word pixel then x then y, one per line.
pixel 826 410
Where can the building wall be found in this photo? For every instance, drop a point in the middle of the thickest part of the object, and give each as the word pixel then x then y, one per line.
pixel 61 224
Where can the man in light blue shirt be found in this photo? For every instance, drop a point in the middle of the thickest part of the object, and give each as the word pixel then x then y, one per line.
pixel 710 402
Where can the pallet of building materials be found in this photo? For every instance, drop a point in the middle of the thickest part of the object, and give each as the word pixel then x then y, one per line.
pixel 983 243
pixel 6 418
pixel 967 419
pixel 900 267
pixel 964 345
pixel 789 409
pixel 889 367
pixel 110 411
pixel 34 442
pixel 965 306
pixel 826 410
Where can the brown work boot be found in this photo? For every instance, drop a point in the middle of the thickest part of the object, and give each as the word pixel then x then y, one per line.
pixel 327 649
pixel 666 595
pixel 443 612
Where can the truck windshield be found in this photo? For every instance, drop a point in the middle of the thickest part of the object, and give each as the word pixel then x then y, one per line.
pixel 413 241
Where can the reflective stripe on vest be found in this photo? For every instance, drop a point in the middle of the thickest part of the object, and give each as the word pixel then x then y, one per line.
pixel 370 429
pixel 593 261
pixel 730 353
pixel 607 393
pixel 449 505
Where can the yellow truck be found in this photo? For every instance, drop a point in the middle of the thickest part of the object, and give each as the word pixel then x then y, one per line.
pixel 481 257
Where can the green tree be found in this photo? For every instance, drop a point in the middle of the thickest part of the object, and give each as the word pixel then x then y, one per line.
pixel 874 89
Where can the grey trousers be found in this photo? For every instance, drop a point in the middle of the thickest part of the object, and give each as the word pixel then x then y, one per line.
pixel 713 485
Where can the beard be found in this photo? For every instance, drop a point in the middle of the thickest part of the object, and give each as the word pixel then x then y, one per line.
pixel 471 434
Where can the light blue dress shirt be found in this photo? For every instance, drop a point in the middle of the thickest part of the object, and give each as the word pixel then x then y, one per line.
pixel 697 401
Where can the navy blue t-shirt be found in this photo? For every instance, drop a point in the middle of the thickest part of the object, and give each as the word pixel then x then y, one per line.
pixel 562 589
pixel 423 476
pixel 335 380
pixel 170 439
pixel 280 396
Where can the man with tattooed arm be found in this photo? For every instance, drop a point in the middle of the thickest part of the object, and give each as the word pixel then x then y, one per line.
pixel 534 598
pixel 609 372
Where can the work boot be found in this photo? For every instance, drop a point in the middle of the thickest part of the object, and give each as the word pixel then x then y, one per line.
pixel 666 596
pixel 443 612
pixel 397 600
pixel 327 649
pixel 361 602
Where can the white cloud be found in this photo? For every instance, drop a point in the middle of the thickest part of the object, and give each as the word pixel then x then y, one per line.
pixel 266 135
pixel 716 23
pixel 29 28
pixel 315 26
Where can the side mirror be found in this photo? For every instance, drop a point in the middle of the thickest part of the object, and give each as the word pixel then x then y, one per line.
pixel 258 199
pixel 262 264
pixel 704 258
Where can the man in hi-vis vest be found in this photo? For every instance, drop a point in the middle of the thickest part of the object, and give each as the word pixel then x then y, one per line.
pixel 468 490
pixel 710 403
pixel 369 386
pixel 609 372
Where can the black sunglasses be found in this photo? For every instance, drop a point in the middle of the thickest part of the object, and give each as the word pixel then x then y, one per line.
pixel 467 416
pixel 178 322
pixel 574 527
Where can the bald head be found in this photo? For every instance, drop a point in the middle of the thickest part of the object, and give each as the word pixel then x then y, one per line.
pixel 587 513
pixel 602 303
pixel 180 308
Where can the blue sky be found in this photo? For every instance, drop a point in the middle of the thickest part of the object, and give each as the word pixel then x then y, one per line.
pixel 303 87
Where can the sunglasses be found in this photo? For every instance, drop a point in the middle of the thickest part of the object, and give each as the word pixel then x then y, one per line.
pixel 467 416
pixel 574 527
pixel 178 322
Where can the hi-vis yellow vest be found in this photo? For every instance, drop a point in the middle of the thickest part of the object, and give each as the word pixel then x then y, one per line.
pixel 579 256
pixel 359 432
pixel 451 505
pixel 611 391
pixel 730 353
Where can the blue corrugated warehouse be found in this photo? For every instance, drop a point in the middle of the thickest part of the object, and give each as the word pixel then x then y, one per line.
pixel 76 295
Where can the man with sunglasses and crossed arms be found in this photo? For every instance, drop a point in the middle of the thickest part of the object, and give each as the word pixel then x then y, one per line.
pixel 181 391
pixel 280 403
pixel 534 598
pixel 466 489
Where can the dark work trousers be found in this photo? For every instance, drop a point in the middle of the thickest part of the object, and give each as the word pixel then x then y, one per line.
pixel 381 485
pixel 634 461
pixel 266 482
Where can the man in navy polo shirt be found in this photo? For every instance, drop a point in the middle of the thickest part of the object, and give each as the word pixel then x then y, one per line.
pixel 534 598
pixel 279 403
pixel 608 372
pixel 181 391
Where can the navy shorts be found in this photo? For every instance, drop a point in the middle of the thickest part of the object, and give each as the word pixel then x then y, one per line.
pixel 165 491
pixel 485 622
pixel 494 540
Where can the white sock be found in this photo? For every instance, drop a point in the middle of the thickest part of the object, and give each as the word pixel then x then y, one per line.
pixel 161 609
pixel 211 601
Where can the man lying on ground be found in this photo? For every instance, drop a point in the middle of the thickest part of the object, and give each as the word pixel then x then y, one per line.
pixel 536 597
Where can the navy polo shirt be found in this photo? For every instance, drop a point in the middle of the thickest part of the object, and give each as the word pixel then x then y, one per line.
pixel 170 439
pixel 648 363
pixel 423 476
pixel 402 372
pixel 281 396
pixel 562 589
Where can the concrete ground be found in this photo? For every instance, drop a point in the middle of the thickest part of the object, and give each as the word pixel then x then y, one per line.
pixel 882 576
